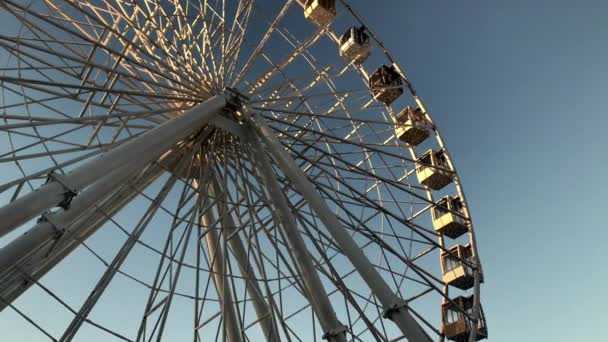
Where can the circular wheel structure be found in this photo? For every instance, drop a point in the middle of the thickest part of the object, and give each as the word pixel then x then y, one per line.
pixel 222 171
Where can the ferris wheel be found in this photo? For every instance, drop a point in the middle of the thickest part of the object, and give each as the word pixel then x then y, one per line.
pixel 223 171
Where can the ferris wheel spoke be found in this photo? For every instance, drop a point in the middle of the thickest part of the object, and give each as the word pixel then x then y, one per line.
pixel 356 225
pixel 20 50
pixel 352 168
pixel 315 115
pixel 237 36
pixel 313 95
pixel 53 153
pixel 187 62
pixel 160 64
pixel 90 120
pixel 373 236
pixel 42 140
pixel 260 45
pixel 46 101
pixel 365 202
pixel 133 92
pixel 298 50
pixel 367 147
pixel 81 33
pixel 27 318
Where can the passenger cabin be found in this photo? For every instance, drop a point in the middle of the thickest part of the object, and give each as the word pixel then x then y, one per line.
pixel 355 45
pixel 455 272
pixel 386 84
pixel 456 325
pixel 320 12
pixel 432 170
pixel 412 127
pixel 448 218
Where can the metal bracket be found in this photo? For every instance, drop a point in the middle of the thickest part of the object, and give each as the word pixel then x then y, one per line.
pixel 68 194
pixel 334 332
pixel 47 216
pixel 388 312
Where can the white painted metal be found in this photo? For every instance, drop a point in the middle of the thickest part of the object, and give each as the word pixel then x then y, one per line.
pixel 135 153
pixel 237 248
pixel 217 261
pixel 36 262
pixel 317 296
pixel 395 308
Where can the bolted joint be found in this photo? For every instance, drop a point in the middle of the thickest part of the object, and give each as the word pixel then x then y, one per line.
pixel 388 312
pixel 341 330
pixel 70 192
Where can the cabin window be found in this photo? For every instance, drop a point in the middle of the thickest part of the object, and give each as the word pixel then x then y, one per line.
pixel 345 37
pixel 440 159
pixel 457 205
pixel 450 263
pixel 426 160
pixel 452 316
pixel 441 208
pixel 467 253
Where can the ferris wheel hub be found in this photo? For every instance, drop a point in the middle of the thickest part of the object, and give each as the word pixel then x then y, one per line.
pixel 235 100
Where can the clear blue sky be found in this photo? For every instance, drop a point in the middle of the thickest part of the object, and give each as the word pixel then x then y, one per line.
pixel 519 91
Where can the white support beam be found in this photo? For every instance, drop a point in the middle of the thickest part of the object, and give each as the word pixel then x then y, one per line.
pixel 216 261
pixel 135 153
pixel 261 307
pixel 394 308
pixel 37 259
pixel 334 331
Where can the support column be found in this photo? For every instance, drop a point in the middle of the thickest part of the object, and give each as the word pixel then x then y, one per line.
pixel 55 223
pixel 216 260
pixel 133 154
pixel 260 306
pixel 43 257
pixel 334 331
pixel 395 308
